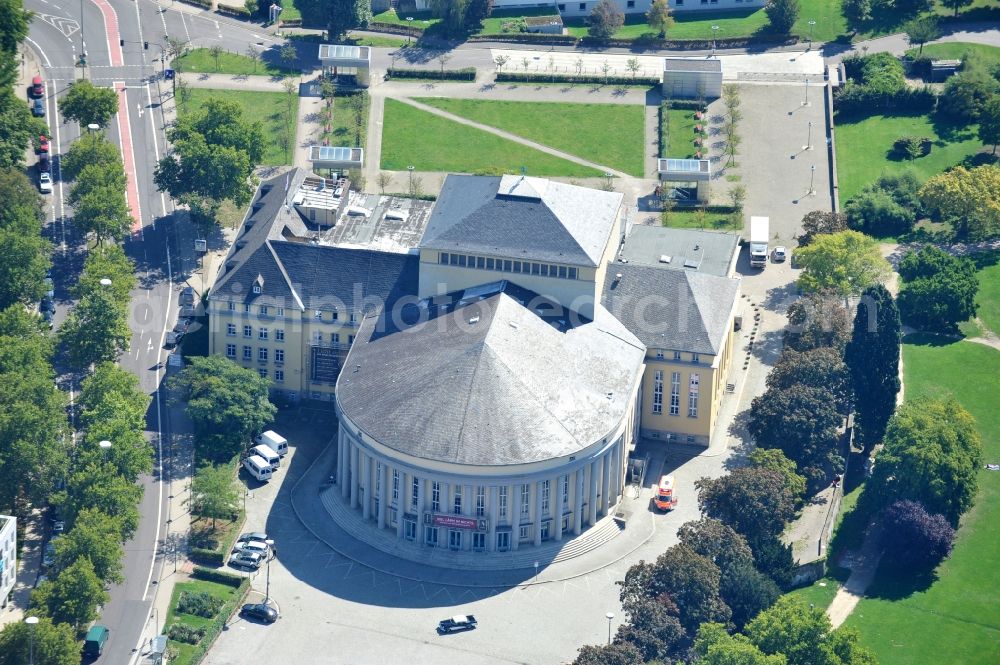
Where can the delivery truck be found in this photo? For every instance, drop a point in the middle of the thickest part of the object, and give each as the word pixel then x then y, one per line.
pixel 759 233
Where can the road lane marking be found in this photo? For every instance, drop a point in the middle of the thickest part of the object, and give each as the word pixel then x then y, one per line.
pixel 40 51
pixel 111 35
pixel 156 146
pixel 57 168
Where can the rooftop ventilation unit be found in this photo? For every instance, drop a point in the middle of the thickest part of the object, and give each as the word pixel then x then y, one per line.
pixel 665 258
pixel 474 319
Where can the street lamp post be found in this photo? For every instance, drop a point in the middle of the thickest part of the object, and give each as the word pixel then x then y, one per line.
pixel 812 179
pixel 806 102
pixel 410 170
pixel 811 24
pixel 31 621
pixel 609 616
pixel 267 583
pixel 809 142
pixel 715 31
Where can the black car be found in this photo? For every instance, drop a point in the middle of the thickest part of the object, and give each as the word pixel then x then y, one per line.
pixel 456 623
pixel 260 612
pixel 38 108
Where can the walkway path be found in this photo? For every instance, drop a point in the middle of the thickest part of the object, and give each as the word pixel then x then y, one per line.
pixel 974 33
pixel 863 565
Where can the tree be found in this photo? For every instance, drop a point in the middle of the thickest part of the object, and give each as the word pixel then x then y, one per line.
pixel 913 539
pixel 715 646
pixel 605 19
pixel 802 422
pixel 692 582
pixel 177 46
pixel 633 66
pixel 107 262
pixel 659 17
pixel 717 542
pixel 619 653
pixel 803 635
pixel 17 126
pixel 966 94
pixel 254 54
pixel 104 212
pixel 97 176
pixel 919 31
pixel 956 4
pixel 747 592
pixel 88 104
pixel 73 595
pixel 845 263
pixel 818 320
pixel 215 52
pixel 113 408
pixel 289 54
pixel 477 12
pixel 97 537
pixel 782 15
pixel 874 211
pixel 340 15
pixel 49 643
pixel 96 484
pixel 939 290
pixel 873 359
pixel 25 252
pixel 819 222
pixel 227 404
pixel 989 123
pixel 817 368
pixel 969 198
pixel 754 502
pixel 383 180
pixel 214 493
pixel 97 329
pixel 90 149
pixel 452 14
pixel 932 454
pixel 652 627
pixel 775 460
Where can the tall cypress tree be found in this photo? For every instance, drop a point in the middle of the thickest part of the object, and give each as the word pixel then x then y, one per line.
pixel 873 358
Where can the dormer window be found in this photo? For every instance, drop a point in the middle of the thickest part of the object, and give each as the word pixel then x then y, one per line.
pixel 256 288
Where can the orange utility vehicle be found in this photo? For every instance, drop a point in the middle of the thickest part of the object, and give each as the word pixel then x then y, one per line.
pixel 665 498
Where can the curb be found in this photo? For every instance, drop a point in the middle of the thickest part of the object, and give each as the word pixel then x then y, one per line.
pixel 421 580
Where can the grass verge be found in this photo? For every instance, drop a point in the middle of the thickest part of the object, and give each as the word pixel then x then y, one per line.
pixel 864 148
pixel 276 111
pixel 988 55
pixel 680 133
pixel 696 219
pixel 413 137
pixel 186 654
pixel 606 134
pixel 200 61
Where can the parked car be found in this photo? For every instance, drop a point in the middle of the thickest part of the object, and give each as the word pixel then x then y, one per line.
pixel 58 526
pixel 456 623
pixel 43 143
pixel 38 108
pixel 779 254
pixel 45 183
pixel 49 554
pixel 48 316
pixel 42 579
pixel 50 288
pixel 37 88
pixel 44 165
pixel 181 327
pixel 168 74
pixel 187 296
pixel 258 546
pixel 47 305
pixel 252 535
pixel 260 612
pixel 171 339
pixel 97 637
pixel 246 560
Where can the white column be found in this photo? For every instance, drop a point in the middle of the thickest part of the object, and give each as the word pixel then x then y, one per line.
pixel 401 505
pixel 355 476
pixel 557 512
pixel 425 488
pixel 344 464
pixel 383 509
pixel 366 483
pixel 492 513
pixel 606 483
pixel 592 499
pixel 514 513
pixel 445 508
pixel 616 469
pixel 538 512
pixel 578 478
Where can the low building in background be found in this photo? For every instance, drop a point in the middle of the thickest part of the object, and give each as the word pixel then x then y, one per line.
pixel 692 78
pixel 8 557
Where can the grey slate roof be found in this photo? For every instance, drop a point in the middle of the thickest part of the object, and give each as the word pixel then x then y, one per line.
pixel 485 380
pixel 298 274
pixel 523 218
pixel 692 65
pixel 710 252
pixel 671 309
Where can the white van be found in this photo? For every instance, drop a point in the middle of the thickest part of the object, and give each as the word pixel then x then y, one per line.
pixel 269 455
pixel 274 441
pixel 258 468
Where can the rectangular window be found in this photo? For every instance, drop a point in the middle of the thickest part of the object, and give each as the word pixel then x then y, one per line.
pixel 247 353
pixel 335 338
pixel 630 4
pixel 503 541
pixel 454 539
pixel 279 335
pixel 517 266
pixel 246 308
pixel 489 264
pixel 524 533
pixel 453 259
pixel 535 269
pixel 248 331
pixel 436 497
pixel 279 355
pixel 525 500
pixel 354 317
pixel 480 262
pixel 279 376
pixel 335 315
pixel 409 529
pixel 658 392
pixel 231 329
pixel 395 485
pixel 414 493
pixel 318 315
pixel 263 310
pixel 318 337
pixel 230 350
pixel 565 491
pixel 431 536
pixel 280 311
pixel 232 307
pixel 262 354
pixel 350 340
pixel 675 393
pixel 457 509
pixel 562 8
pixel 478 542
pixel 693 396
pixel 262 333
pixel 443 258
pixel 503 502
pixel 659 354
pixel 677 355
pixel 583 6
pixel 572 273
pixel 480 501
pixel 695 358
pixel 545 496
pixel 378 483
pixel 262 372
pixel 562 272
pixel 506 266
pixel 678 3
pixel 461 260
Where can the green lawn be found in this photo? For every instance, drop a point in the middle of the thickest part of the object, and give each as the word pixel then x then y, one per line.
pixel 821 592
pixel 680 134
pixel 422 20
pixel 200 61
pixel 989 55
pixel 864 147
pixel 989 297
pixel 606 134
pixel 693 219
pixel 956 620
pixel 412 137
pixel 343 129
pixel 268 107
pixel 186 651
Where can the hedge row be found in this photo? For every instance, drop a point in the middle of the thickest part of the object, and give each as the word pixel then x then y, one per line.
pixel 217 576
pixel 526 38
pixel 395 29
pixel 213 629
pixel 464 74
pixel 853 99
pixel 238 12
pixel 525 77
pixel 207 556
pixel 199 3
pixel 678 44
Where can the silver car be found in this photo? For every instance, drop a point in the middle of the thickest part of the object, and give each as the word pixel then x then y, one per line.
pixel 247 560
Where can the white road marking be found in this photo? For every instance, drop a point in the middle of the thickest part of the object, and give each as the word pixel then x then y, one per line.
pixel 156 147
pixel 40 51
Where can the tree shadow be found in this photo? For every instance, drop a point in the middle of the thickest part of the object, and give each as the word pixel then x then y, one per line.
pixel 950 130
pixel 930 339
pixel 894 583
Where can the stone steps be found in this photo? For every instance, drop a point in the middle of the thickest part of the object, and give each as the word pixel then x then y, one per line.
pixel 385 540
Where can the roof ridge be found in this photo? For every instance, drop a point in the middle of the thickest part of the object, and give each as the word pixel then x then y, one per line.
pixel 284 274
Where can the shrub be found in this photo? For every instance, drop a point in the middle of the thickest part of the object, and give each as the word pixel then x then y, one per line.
pixel 208 557
pixel 915 539
pixel 966 94
pixel 180 632
pixel 939 290
pixel 464 74
pixel 878 82
pixel 219 576
pixel 533 77
pixel 887 207
pixel 199 604
pixel 911 147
